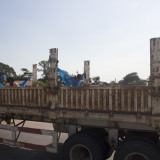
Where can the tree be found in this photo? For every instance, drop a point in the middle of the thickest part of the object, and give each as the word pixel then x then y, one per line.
pixel 103 84
pixel 132 79
pixel 96 80
pixel 113 83
pixel 26 73
pixel 44 67
pixel 7 70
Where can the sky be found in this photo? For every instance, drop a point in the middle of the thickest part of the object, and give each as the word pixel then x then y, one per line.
pixel 113 34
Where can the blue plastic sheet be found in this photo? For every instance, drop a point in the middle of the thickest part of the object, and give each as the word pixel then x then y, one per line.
pixel 70 81
pixel 24 83
pixel 1 85
pixel 3 78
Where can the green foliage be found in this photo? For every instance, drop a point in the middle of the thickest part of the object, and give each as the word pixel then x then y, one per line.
pixel 113 83
pixel 43 84
pixel 95 80
pixel 132 79
pixel 7 70
pixel 26 74
pixel 44 68
pixel 103 84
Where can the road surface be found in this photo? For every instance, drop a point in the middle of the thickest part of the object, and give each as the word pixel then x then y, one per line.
pixel 15 153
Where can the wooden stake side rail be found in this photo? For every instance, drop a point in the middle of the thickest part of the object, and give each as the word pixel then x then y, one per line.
pixel 128 99
pixel 24 96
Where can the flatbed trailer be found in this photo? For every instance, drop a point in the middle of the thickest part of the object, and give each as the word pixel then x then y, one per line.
pixel 99 120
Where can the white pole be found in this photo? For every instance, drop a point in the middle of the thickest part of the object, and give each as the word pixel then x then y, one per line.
pixel 53 65
pixel 34 74
pixel 155 59
pixel 87 71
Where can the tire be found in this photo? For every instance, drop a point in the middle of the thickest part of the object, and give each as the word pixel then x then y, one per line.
pixel 137 150
pixel 82 147
pixel 99 139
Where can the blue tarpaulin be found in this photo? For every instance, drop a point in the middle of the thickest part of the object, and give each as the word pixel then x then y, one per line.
pixel 3 78
pixel 70 81
pixel 1 85
pixel 21 85
pixel 24 83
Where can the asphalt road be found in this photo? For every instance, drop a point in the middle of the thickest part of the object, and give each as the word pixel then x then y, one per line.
pixel 15 153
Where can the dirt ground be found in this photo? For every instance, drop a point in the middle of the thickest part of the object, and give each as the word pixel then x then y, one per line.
pixel 15 153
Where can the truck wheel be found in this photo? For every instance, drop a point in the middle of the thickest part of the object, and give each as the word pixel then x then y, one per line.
pixel 82 147
pixel 137 150
pixel 99 139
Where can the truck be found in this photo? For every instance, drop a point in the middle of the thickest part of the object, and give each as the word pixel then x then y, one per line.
pixel 99 120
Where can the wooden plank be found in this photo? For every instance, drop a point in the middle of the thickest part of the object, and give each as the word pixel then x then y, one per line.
pixel 135 100
pixel 93 99
pixel 9 98
pixel 23 98
pixel 62 98
pixel 12 96
pixel 5 96
pixel 43 97
pixel 110 99
pixel 15 96
pixel 35 94
pixel 39 98
pixel 77 106
pixel 142 100
pixel 87 99
pixel 47 98
pixel 19 96
pixel 129 101
pixel 104 100
pixel 122 100
pixel 66 98
pixel 26 97
pixel 30 96
pixel 149 100
pixel 116 100
pixel 98 99
pixel 1 96
pixel 82 102
pixel 71 98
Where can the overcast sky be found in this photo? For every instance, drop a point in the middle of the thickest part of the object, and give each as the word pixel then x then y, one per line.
pixel 113 34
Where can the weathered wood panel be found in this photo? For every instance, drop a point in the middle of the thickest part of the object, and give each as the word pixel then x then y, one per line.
pixel 24 97
pixel 118 99
pixel 128 99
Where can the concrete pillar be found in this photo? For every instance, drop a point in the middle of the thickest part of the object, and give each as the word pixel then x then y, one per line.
pixel 155 74
pixel 53 65
pixel 87 71
pixel 155 61
pixel 34 74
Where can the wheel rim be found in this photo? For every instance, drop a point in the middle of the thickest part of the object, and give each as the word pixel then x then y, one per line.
pixel 80 152
pixel 136 156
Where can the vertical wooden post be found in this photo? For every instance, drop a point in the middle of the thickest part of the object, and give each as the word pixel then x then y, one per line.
pixel 53 65
pixel 155 75
pixel 34 74
pixel 87 71
pixel 154 60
